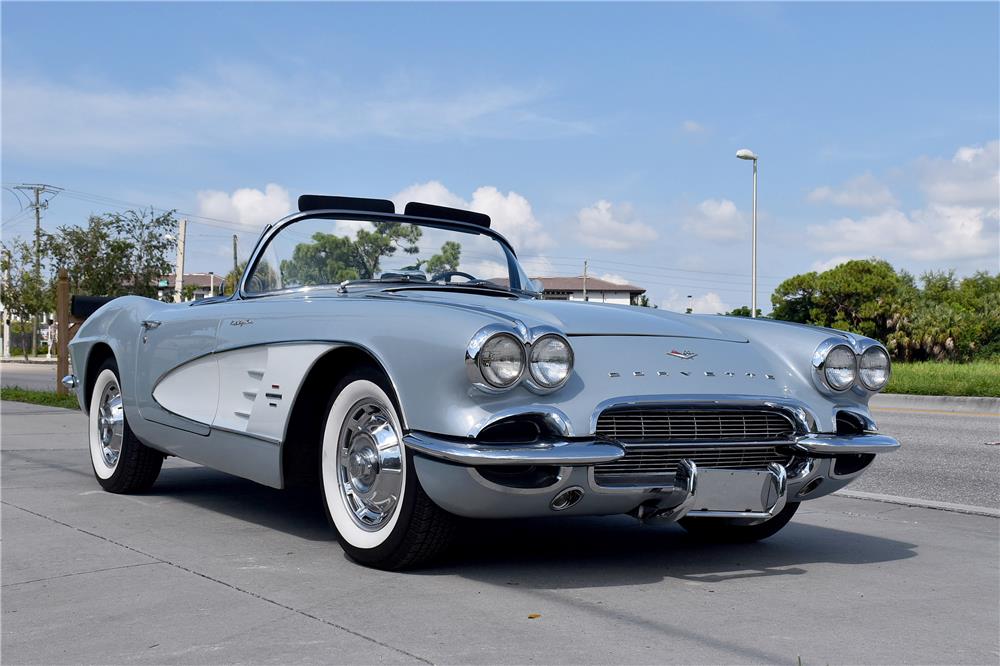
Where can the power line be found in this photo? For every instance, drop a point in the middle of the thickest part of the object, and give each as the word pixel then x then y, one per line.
pixel 116 203
pixel 653 266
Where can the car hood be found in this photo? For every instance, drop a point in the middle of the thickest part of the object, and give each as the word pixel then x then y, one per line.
pixel 575 318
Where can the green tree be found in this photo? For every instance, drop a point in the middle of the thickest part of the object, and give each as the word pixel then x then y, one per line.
pixel 328 259
pixel 742 311
pixel 860 296
pixel 371 246
pixel 447 259
pixel 23 293
pixel 116 253
pixel 937 317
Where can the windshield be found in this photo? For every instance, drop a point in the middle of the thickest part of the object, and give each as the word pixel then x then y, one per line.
pixel 318 252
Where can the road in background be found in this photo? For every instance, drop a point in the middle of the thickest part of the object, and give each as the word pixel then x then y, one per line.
pixel 35 376
pixel 945 455
pixel 209 568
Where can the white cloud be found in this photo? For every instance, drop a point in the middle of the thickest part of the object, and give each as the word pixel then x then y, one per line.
pixel 865 191
pixel 692 127
pixel 826 264
pixel 613 277
pixel 970 177
pixel 707 303
pixel 510 213
pixel 717 220
pixel 937 232
pixel 958 221
pixel 247 206
pixel 230 105
pixel 605 226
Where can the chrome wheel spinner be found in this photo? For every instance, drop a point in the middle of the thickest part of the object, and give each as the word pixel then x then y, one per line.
pixel 370 465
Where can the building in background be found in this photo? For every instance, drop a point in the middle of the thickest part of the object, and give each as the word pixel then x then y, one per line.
pixel 598 291
pixel 196 285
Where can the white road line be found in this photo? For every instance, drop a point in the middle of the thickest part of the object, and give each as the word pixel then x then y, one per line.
pixel 922 503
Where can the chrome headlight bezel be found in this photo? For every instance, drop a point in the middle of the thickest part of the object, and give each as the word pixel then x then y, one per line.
pixel 858 347
pixel 820 357
pixel 534 381
pixel 872 350
pixel 475 358
pixel 525 338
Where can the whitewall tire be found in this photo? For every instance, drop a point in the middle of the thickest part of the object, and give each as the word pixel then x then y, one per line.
pixel 370 490
pixel 121 463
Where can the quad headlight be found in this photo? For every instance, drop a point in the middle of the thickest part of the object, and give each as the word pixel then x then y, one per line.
pixel 874 368
pixel 501 360
pixel 499 357
pixel 550 361
pixel 838 366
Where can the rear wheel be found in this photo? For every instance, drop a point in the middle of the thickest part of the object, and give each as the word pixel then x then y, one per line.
pixel 121 463
pixel 735 530
pixel 370 489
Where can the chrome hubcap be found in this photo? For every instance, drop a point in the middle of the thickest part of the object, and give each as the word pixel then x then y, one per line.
pixel 111 424
pixel 370 465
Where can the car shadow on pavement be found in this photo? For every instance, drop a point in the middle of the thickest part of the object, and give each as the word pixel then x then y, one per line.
pixel 555 553
pixel 298 512
pixel 552 553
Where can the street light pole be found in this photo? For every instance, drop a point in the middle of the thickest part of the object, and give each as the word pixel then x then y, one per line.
pixel 745 154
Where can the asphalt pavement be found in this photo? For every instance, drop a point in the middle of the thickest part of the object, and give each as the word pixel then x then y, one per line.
pixel 37 375
pixel 946 455
pixel 208 568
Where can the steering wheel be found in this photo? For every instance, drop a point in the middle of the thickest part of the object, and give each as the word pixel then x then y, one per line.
pixel 448 275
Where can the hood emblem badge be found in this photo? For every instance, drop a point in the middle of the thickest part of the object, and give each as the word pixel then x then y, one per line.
pixel 686 355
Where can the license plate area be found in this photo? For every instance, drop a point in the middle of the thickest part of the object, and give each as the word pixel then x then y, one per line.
pixel 734 490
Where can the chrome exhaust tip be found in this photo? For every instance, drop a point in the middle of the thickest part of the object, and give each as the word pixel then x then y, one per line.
pixel 566 498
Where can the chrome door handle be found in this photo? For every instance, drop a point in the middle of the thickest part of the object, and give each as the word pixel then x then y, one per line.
pixel 150 323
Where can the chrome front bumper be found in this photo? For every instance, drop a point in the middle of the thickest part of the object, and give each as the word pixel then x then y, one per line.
pixel 583 453
pixel 454 474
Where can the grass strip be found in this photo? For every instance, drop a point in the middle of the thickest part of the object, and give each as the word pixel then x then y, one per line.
pixel 979 378
pixel 47 398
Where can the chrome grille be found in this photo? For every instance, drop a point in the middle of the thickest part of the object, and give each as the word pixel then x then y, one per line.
pixel 652 459
pixel 667 425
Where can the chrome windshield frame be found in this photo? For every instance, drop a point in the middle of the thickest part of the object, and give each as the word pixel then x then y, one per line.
pixel 514 269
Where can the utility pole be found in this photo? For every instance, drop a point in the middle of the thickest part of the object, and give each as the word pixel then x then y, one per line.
pixel 585 279
pixel 236 263
pixel 179 269
pixel 6 318
pixel 38 189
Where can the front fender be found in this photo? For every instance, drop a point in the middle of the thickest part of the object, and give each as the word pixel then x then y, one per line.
pixel 115 324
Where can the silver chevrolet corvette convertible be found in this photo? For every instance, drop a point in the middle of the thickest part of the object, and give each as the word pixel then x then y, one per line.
pixel 406 364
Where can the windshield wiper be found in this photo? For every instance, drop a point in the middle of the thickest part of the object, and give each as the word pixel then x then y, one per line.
pixel 389 279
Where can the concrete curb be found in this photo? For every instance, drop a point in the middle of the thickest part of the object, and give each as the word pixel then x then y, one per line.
pixel 921 503
pixel 944 403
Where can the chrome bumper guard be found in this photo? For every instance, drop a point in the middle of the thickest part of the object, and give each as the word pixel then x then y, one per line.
pixel 583 453
pixel 728 493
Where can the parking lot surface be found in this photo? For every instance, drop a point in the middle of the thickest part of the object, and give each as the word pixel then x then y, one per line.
pixel 208 568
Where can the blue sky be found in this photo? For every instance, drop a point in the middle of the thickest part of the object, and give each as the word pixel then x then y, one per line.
pixel 597 131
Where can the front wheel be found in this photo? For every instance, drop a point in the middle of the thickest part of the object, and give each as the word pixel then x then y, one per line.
pixel 370 489
pixel 734 530
pixel 122 464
